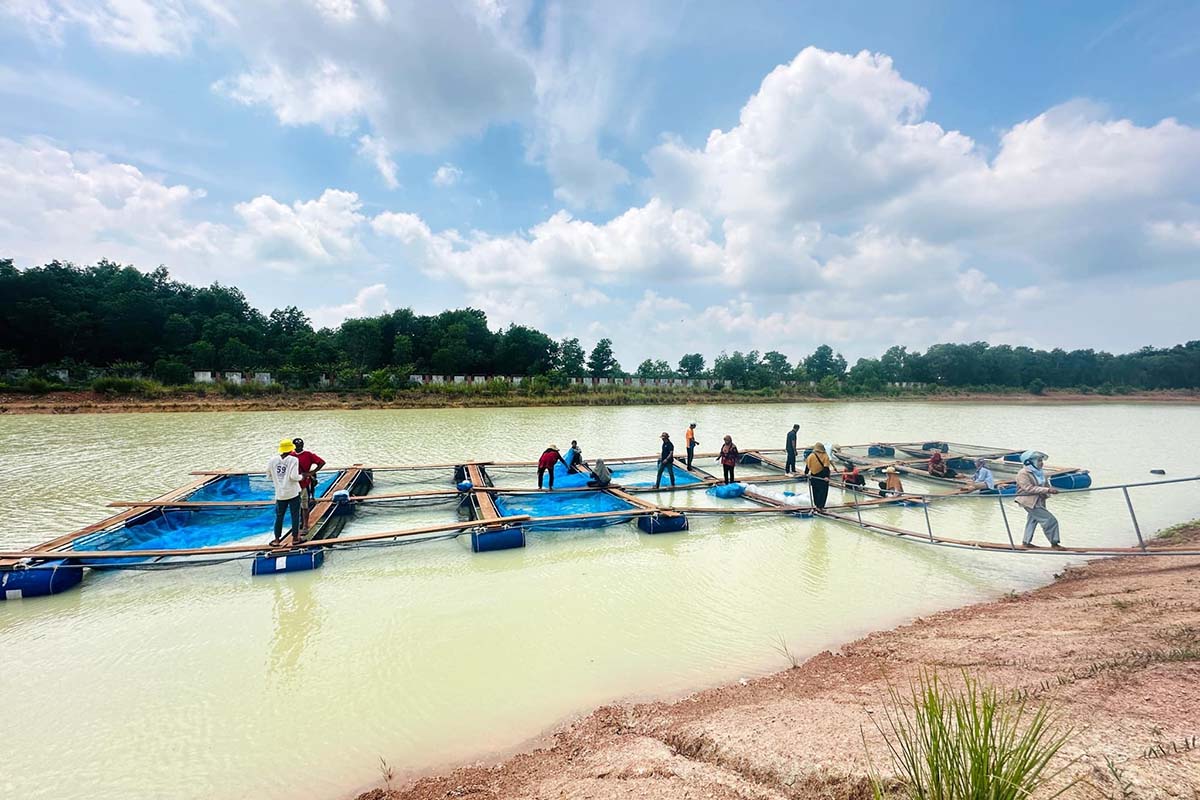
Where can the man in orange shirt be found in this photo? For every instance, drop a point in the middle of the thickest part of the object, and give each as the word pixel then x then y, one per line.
pixel 690 438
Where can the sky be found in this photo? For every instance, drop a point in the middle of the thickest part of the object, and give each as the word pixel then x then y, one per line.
pixel 676 176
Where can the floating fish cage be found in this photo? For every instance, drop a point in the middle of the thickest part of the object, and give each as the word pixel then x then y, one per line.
pixel 225 516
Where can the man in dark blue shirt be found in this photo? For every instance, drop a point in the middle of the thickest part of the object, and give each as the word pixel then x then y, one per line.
pixel 791 449
pixel 666 460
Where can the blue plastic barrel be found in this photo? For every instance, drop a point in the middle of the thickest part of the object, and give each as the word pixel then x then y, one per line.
pixel 1072 480
pixel 342 507
pixel 294 561
pixel 464 486
pixel 502 539
pixel 660 523
pixel 879 451
pixel 50 577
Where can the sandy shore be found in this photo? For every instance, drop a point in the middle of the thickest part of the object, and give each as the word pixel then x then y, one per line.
pixel 1114 646
pixel 87 402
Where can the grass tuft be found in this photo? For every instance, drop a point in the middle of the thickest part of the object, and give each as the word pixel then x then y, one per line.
pixel 781 647
pixel 950 743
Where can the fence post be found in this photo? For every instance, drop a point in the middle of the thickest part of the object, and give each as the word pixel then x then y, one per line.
pixel 1003 513
pixel 928 524
pixel 1136 528
pixel 857 508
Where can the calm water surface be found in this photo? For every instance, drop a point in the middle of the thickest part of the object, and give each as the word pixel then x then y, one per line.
pixel 210 683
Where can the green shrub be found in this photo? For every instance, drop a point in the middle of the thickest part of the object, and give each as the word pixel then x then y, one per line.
pixel 1037 386
pixel 956 744
pixel 139 387
pixel 172 372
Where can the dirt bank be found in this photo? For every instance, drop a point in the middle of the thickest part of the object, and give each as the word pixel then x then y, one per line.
pixel 1115 645
pixel 88 402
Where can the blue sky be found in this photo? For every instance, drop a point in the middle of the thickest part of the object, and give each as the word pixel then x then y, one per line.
pixel 880 173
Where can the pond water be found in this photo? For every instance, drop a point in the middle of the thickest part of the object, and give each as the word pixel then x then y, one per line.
pixel 211 683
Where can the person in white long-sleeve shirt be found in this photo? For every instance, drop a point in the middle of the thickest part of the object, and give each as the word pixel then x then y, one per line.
pixel 284 472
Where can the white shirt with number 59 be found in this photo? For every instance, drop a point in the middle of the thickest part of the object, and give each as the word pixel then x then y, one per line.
pixel 284 472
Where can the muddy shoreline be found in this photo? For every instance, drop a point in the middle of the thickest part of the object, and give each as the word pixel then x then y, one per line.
pixel 1114 645
pixel 87 402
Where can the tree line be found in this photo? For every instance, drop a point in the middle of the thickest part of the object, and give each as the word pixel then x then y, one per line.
pixel 119 318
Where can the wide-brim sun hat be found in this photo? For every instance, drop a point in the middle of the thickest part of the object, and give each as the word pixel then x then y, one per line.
pixel 891 471
pixel 553 447
pixel 1032 455
pixel 286 446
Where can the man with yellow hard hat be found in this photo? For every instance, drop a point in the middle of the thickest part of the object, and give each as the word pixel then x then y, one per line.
pixel 284 472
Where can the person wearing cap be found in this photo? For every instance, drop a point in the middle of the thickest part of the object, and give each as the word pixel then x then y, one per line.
pixel 666 460
pixel 983 477
pixel 790 448
pixel 891 483
pixel 546 464
pixel 729 458
pixel 574 458
pixel 818 468
pixel 284 472
pixel 689 438
pixel 310 464
pixel 1032 489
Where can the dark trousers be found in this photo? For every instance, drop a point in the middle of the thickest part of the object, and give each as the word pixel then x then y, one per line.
pixel 791 461
pixel 543 471
pixel 292 507
pixel 728 468
pixel 820 491
pixel 691 452
pixel 669 466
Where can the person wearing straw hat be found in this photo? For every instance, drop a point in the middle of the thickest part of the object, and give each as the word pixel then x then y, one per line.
pixel 1032 489
pixel 891 483
pixel 284 472
pixel 550 457
pixel 818 468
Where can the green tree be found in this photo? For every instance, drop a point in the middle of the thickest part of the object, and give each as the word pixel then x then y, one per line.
pixel 654 369
pixel 776 367
pixel 824 363
pixel 524 351
pixel 692 365
pixel 571 358
pixel 602 363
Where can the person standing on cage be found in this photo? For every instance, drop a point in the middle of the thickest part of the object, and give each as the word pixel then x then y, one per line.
pixel 818 469
pixel 729 458
pixel 790 448
pixel 284 472
pixel 310 465
pixel 689 438
pixel 666 460
pixel 1032 489
pixel 549 459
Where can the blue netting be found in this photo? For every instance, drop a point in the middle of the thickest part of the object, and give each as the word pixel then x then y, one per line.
pixel 624 474
pixel 177 528
pixel 248 487
pixel 553 504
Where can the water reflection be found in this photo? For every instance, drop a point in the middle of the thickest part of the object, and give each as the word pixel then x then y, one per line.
pixel 297 621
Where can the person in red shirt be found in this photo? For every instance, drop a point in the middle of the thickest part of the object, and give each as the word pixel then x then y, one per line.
pixel 546 464
pixel 310 464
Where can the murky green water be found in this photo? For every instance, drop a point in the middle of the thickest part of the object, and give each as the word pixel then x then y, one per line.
pixel 210 683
